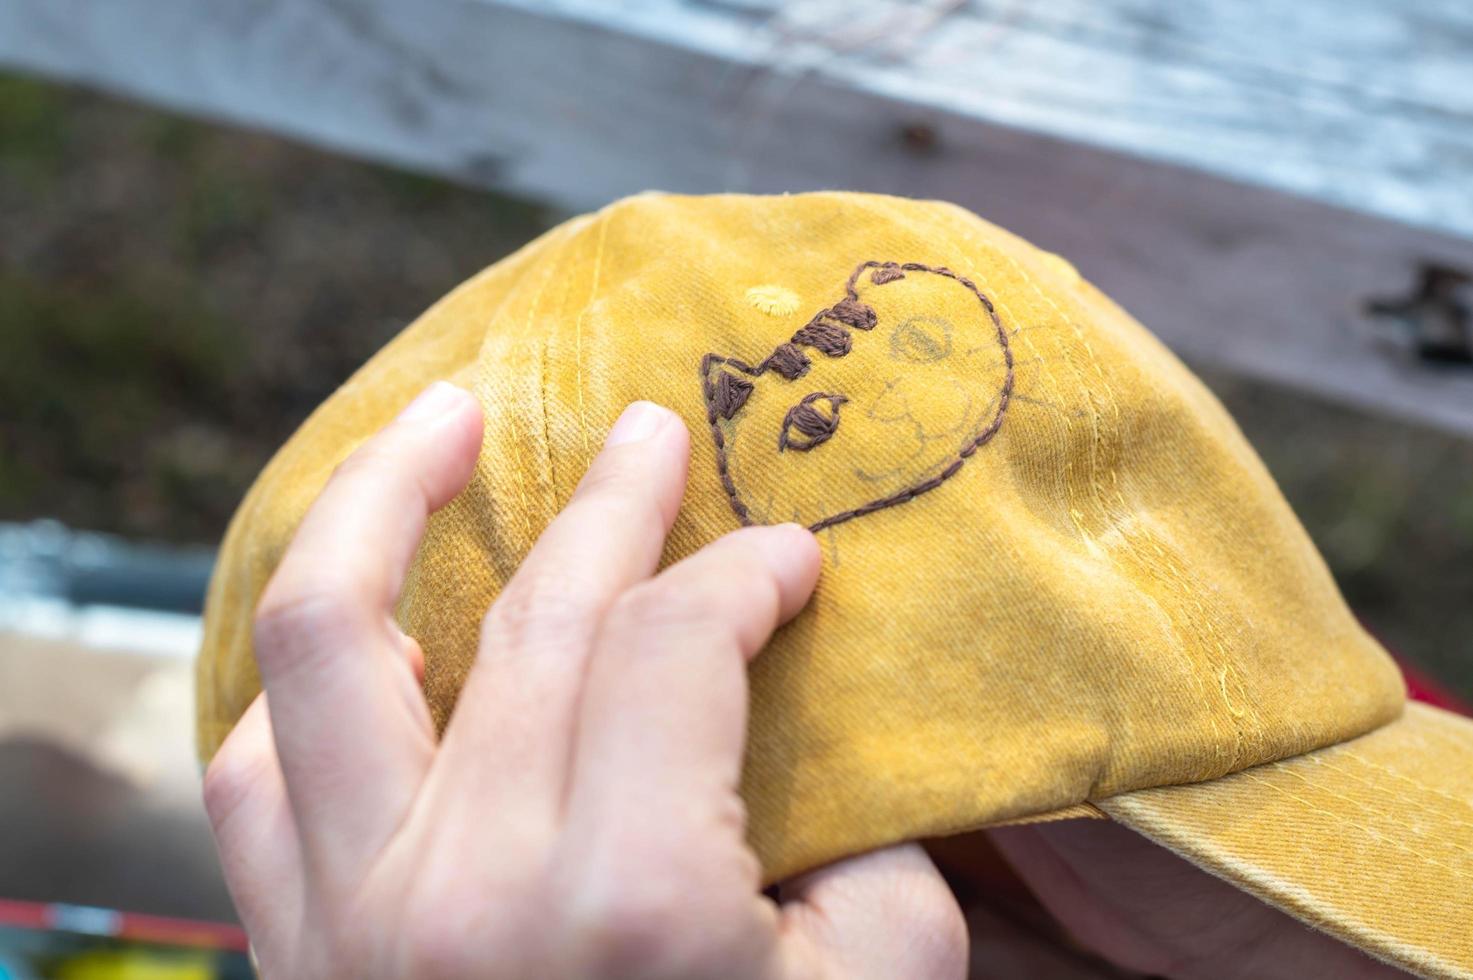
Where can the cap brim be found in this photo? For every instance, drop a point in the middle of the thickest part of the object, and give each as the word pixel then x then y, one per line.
pixel 1370 840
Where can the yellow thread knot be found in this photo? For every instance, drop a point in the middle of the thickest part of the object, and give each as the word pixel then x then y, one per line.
pixel 773 300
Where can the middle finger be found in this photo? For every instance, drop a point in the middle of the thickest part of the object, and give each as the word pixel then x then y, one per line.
pixel 511 734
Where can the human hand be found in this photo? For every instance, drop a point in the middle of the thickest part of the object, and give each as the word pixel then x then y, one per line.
pixel 580 816
pixel 1145 909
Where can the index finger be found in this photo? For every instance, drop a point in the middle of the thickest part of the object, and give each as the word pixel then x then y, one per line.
pixel 351 726
pixel 511 734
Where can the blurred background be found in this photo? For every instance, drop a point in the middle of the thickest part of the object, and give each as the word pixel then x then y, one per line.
pixel 177 294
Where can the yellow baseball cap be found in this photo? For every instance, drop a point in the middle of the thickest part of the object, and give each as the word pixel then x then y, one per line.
pixel 1057 580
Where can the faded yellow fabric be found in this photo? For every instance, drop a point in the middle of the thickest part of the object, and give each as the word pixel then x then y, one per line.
pixel 1371 839
pixel 1077 811
pixel 1108 595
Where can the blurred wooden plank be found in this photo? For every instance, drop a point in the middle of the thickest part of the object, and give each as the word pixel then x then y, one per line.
pixel 1251 180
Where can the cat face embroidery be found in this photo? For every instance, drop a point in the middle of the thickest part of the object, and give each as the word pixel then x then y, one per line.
pixel 876 400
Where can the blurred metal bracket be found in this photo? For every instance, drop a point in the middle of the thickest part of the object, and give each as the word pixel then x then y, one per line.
pixel 45 558
pixel 1250 179
pixel 98 590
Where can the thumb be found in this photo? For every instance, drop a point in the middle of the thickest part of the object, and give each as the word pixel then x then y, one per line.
pixel 883 914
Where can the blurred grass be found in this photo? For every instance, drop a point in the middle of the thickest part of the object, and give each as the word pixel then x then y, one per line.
pixel 1389 505
pixel 175 297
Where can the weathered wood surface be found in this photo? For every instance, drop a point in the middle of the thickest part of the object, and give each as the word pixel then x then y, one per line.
pixel 1261 183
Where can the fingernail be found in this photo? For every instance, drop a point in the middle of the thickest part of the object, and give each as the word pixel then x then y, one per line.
pixel 791 554
pixel 639 421
pixel 782 542
pixel 434 400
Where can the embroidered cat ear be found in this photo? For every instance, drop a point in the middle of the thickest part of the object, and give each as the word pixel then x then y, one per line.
pixel 886 272
pixel 730 393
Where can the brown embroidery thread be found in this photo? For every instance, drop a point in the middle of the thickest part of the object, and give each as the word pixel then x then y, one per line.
pixel 810 422
pixel 830 338
pixel 731 394
pixel 827 333
pixel 886 272
pixel 788 361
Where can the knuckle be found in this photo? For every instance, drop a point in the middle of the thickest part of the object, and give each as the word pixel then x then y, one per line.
pixel 387 464
pixel 641 930
pixel 729 822
pixel 614 476
pixel 289 622
pixel 754 578
pixel 535 609
pixel 658 605
pixel 617 495
pixel 439 945
pixel 228 781
pixel 739 607
pixel 368 460
pixel 449 922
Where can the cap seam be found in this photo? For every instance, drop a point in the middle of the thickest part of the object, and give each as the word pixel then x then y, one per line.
pixel 1175 578
pixel 551 493
pixel 549 497
pixel 1332 764
pixel 598 255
